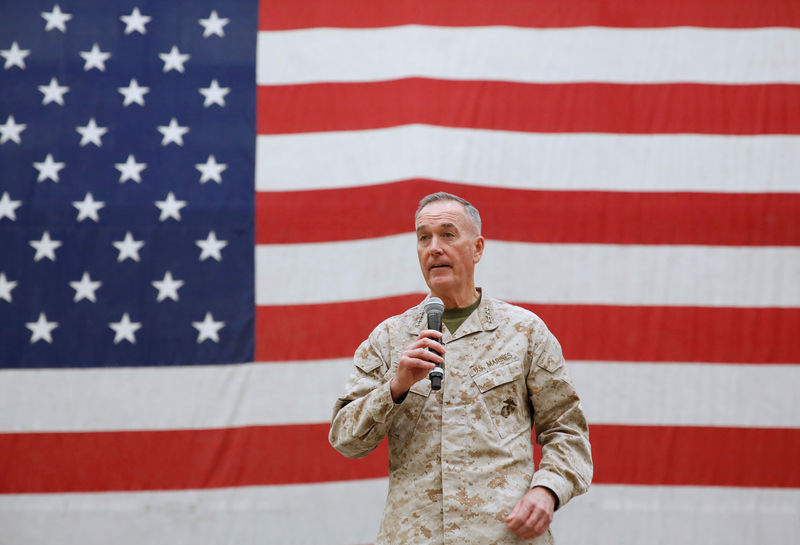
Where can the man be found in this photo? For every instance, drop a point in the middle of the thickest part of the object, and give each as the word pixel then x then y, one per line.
pixel 461 467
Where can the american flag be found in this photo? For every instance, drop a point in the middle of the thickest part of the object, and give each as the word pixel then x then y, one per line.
pixel 205 206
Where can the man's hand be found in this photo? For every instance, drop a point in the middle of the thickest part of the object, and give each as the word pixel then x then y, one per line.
pixel 533 513
pixel 416 362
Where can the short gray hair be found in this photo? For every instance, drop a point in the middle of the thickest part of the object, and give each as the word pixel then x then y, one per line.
pixel 471 211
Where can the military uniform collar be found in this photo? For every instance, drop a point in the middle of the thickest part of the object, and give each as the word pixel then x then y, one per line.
pixel 482 319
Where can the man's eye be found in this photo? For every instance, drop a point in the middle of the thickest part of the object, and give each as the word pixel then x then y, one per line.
pixel 423 238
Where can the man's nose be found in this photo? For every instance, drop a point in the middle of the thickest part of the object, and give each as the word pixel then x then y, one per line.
pixel 434 247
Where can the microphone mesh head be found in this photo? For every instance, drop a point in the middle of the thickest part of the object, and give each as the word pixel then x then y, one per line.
pixel 434 304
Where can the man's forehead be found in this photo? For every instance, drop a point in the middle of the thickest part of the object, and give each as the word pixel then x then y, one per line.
pixel 442 214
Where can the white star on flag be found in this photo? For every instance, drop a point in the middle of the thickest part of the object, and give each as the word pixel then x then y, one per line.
pixel 211 170
pixel 174 59
pixel 128 248
pixel 172 132
pixel 45 247
pixel 8 207
pixel 170 207
pixel 10 130
pixel 211 247
pixel 41 329
pixel 48 169
pixel 207 329
pixel 6 286
pixel 168 287
pixel 130 170
pixel 53 92
pixel 88 207
pixel 56 19
pixel 133 93
pixel 85 288
pixel 95 59
pixel 14 56
pixel 135 22
pixel 214 94
pixel 91 133
pixel 125 330
pixel 214 25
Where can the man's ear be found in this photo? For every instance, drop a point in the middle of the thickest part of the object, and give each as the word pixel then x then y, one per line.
pixel 478 251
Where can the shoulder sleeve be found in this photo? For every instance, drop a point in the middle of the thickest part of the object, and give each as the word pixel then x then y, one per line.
pixel 561 427
pixel 363 414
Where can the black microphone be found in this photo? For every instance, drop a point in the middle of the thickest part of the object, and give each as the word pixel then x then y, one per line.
pixel 434 309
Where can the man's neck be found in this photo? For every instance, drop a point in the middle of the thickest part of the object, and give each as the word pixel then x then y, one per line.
pixel 459 300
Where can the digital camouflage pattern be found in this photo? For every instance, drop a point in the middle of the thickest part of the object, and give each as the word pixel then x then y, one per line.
pixel 460 458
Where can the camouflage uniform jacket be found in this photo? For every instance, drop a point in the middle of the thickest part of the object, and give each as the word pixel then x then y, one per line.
pixel 461 457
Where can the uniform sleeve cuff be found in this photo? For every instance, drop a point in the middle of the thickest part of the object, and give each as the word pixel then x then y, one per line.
pixel 384 404
pixel 552 483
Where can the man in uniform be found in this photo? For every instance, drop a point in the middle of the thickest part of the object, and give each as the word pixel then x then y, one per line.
pixel 461 468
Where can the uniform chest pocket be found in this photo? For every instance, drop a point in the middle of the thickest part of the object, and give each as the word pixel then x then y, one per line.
pixel 502 392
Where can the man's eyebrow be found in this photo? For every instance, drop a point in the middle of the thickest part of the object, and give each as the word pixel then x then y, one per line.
pixel 447 225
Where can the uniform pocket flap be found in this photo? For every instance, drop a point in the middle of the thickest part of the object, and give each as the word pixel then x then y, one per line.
pixel 367 366
pixel 498 375
pixel 423 387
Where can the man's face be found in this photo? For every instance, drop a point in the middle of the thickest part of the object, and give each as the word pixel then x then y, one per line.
pixel 448 247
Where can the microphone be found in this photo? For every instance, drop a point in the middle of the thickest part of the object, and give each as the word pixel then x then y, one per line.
pixel 434 309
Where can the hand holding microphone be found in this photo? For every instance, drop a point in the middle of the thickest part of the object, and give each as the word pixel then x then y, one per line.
pixel 422 357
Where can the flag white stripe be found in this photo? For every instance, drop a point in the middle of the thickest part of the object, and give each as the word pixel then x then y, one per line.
pixel 529 55
pixel 554 273
pixel 243 395
pixel 276 515
pixel 682 514
pixel 492 158
pixel 269 515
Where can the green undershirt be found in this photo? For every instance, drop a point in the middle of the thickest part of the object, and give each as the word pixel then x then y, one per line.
pixel 454 317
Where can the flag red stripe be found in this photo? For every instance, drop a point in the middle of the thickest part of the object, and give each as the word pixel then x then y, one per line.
pixel 735 219
pixel 567 107
pixel 277 455
pixel 586 332
pixel 291 14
